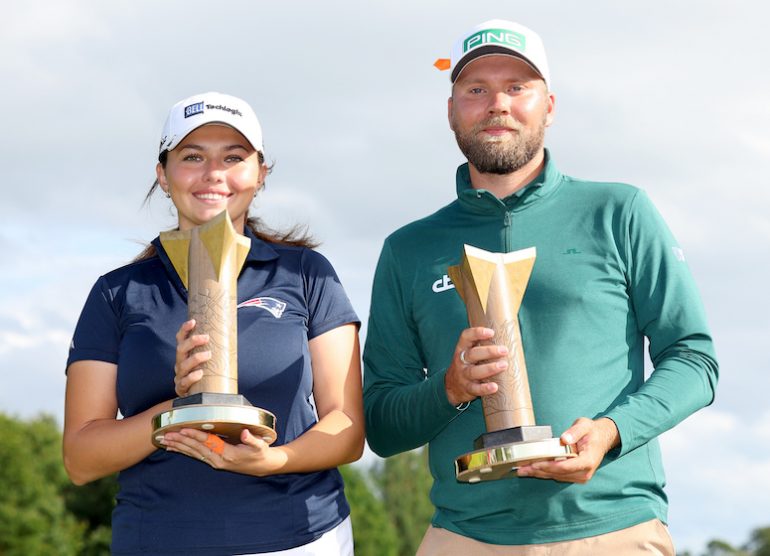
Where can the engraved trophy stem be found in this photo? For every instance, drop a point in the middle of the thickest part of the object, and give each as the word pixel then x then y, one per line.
pixel 511 405
pixel 211 301
pixel 208 259
pixel 492 286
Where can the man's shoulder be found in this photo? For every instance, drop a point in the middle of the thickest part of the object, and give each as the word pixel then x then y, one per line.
pixel 431 223
pixel 601 195
pixel 616 189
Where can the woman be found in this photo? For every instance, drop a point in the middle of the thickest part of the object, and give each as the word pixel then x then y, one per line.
pixel 130 353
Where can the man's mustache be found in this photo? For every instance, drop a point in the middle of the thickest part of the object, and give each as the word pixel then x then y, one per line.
pixel 497 121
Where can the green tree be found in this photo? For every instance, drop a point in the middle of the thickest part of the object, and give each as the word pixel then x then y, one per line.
pixel 33 516
pixel 373 532
pixel 759 544
pixel 719 547
pixel 404 483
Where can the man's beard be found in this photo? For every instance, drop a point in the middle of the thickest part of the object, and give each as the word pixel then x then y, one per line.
pixel 500 157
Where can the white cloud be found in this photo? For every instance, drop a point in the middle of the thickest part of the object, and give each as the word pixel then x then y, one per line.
pixel 756 141
pixel 718 470
pixel 15 341
pixel 39 24
pixel 355 118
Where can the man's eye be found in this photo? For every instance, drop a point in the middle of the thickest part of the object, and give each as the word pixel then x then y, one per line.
pixel 193 157
pixel 477 90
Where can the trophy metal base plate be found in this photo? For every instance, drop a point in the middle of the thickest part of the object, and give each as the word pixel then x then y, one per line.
pixel 226 421
pixel 501 462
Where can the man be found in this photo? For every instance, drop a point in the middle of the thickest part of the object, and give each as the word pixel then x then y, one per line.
pixel 607 274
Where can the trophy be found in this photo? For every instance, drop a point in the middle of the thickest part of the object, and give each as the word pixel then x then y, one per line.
pixel 208 259
pixel 492 286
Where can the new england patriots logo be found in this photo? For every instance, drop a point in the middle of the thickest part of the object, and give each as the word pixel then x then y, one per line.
pixel 275 306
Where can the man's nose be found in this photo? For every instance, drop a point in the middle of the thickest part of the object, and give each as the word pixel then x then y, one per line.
pixel 500 103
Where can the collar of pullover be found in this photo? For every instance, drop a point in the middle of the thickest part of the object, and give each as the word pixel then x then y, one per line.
pixel 482 201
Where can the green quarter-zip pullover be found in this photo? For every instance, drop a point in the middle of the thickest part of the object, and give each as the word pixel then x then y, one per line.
pixel 608 273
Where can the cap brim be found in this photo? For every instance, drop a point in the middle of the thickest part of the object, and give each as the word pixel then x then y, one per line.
pixel 488 50
pixel 215 122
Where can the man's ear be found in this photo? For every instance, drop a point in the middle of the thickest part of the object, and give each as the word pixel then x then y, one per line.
pixel 551 113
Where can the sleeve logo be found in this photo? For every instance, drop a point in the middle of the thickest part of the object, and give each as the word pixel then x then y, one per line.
pixel 678 253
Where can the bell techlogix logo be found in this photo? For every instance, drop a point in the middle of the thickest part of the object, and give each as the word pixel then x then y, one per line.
pixel 495 36
pixel 193 109
pixel 199 107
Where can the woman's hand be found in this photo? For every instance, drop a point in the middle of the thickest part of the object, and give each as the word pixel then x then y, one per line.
pixel 253 456
pixel 337 437
pixel 186 371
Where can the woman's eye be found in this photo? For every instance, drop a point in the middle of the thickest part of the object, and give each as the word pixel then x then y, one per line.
pixel 193 157
pixel 234 158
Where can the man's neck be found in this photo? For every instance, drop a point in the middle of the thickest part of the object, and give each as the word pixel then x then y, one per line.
pixel 503 185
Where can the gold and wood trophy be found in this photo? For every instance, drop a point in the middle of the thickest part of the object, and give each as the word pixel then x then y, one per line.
pixel 492 286
pixel 208 259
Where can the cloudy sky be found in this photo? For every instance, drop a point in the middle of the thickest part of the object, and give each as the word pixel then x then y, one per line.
pixel 669 96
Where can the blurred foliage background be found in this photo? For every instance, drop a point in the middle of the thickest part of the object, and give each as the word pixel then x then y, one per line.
pixel 42 513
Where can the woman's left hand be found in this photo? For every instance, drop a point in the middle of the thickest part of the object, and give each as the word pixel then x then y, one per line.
pixel 253 455
pixel 337 437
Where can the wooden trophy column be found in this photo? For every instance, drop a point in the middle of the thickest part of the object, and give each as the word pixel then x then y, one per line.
pixel 208 259
pixel 492 286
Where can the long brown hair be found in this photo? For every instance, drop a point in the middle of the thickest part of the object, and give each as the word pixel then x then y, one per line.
pixel 296 236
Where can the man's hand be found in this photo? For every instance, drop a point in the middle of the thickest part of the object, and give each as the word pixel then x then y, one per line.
pixel 592 439
pixel 473 364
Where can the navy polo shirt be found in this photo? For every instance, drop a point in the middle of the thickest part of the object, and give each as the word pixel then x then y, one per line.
pixel 169 503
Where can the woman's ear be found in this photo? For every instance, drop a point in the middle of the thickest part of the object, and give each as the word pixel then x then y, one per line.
pixel 160 174
pixel 263 172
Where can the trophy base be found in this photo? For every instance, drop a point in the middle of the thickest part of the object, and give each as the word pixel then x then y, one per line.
pixel 225 415
pixel 525 433
pixel 502 461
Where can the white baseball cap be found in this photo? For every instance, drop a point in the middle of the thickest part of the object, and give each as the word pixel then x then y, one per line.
pixel 497 36
pixel 210 108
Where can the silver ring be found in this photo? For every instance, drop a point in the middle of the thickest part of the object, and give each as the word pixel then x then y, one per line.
pixel 463 360
pixel 203 458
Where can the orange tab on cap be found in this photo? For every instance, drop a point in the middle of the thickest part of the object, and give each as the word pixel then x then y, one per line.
pixel 443 64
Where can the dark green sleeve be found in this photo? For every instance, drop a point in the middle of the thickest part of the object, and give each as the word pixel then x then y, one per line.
pixel 404 408
pixel 670 314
